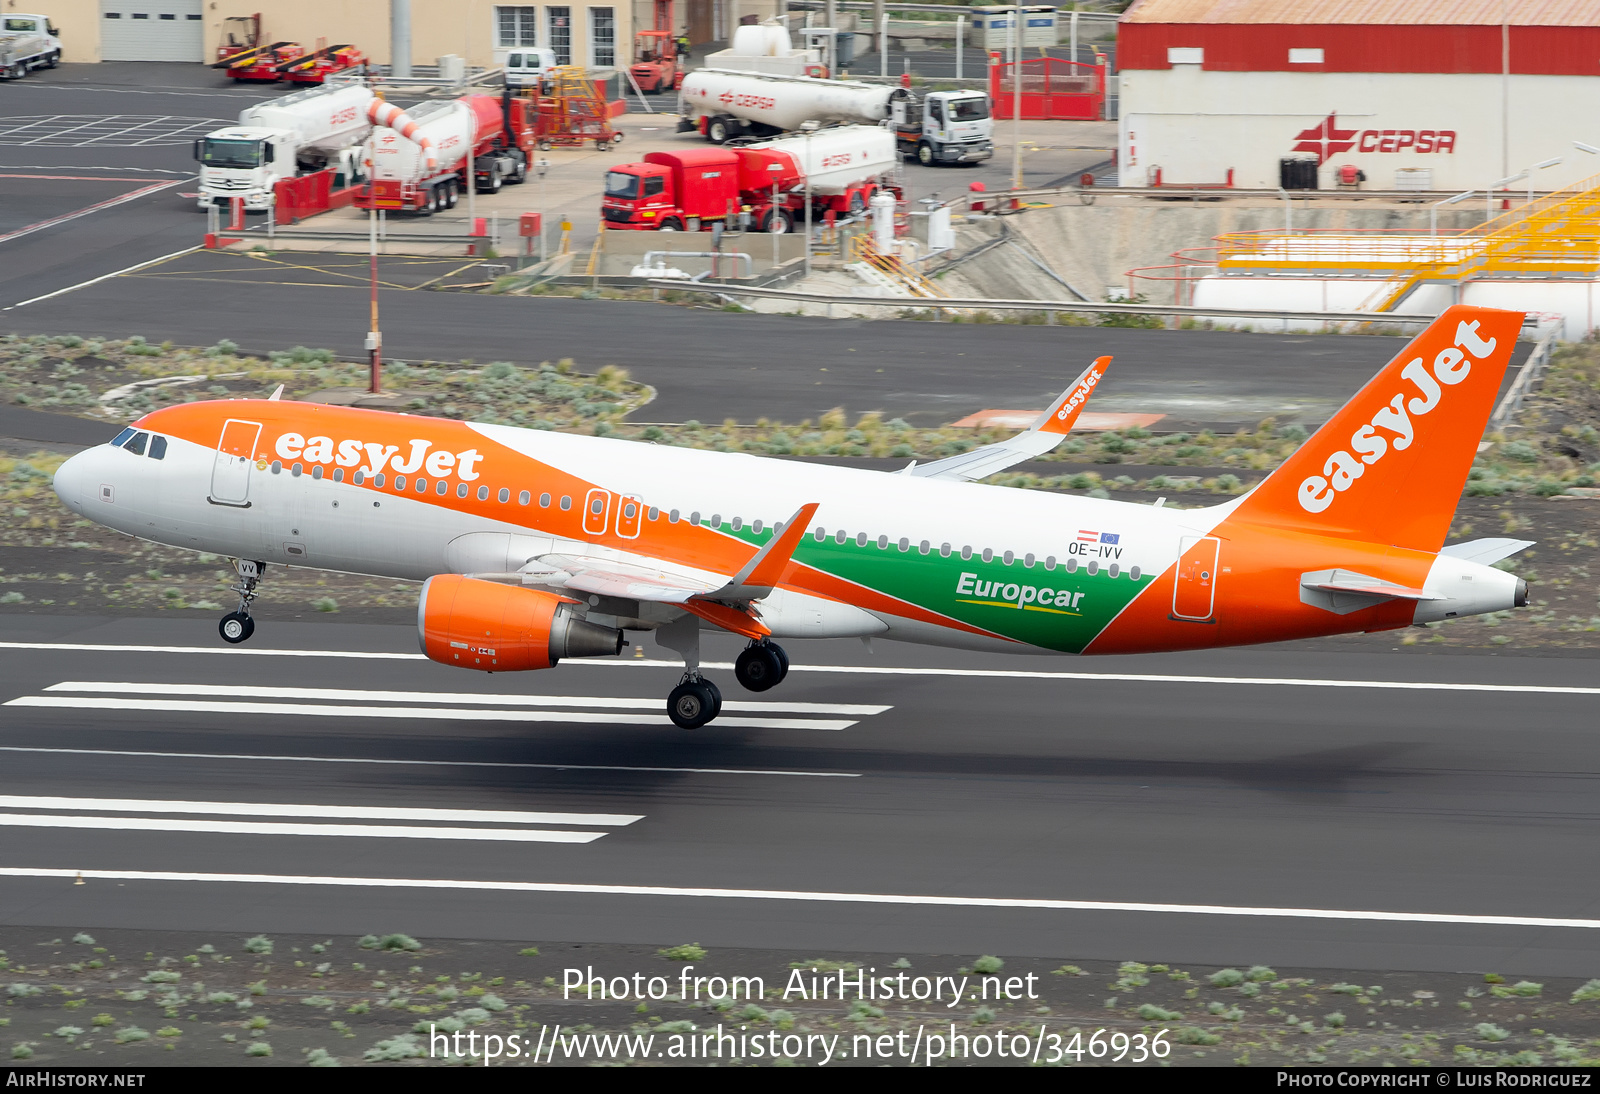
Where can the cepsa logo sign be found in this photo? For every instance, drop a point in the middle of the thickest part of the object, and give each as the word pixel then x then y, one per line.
pixel 1327 140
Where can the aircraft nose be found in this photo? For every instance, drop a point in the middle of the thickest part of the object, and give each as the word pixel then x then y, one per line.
pixel 72 480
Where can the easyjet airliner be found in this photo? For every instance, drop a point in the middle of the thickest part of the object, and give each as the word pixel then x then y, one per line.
pixel 533 546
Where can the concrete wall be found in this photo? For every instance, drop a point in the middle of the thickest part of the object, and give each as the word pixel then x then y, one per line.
pixel 77 20
pixel 1094 246
pixel 1196 124
pixel 463 27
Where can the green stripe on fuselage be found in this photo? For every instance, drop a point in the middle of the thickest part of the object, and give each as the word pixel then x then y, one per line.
pixel 1079 604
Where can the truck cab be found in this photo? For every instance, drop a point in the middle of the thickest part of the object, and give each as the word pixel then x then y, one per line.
pixel 946 127
pixel 243 161
pixel 27 42
pixel 672 191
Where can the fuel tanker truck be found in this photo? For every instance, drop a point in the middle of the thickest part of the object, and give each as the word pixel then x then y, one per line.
pixel 281 138
pixel 942 127
pixel 419 160
pixel 690 190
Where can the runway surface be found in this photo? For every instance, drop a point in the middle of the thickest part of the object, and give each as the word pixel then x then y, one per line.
pixel 1277 806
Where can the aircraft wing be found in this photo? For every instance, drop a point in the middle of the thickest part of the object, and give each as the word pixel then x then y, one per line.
pixel 725 602
pixel 1049 430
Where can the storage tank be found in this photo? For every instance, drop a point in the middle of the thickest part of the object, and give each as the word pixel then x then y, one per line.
pixel 835 160
pixel 453 129
pixel 325 118
pixel 761 40
pixel 783 102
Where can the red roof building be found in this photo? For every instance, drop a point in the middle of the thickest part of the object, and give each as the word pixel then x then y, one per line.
pixel 1409 92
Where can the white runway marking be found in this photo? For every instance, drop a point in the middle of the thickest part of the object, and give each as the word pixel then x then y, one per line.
pixel 131 195
pixel 338 812
pixel 280 828
pixel 96 130
pixel 252 691
pixel 429 763
pixel 104 277
pixel 872 670
pixel 450 714
pixel 1016 903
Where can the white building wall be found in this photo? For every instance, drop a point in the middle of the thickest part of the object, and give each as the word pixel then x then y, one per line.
pixel 1195 125
pixel 1569 307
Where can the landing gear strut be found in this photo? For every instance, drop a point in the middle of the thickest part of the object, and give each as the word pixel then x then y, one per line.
pixel 762 665
pixel 696 700
pixel 238 626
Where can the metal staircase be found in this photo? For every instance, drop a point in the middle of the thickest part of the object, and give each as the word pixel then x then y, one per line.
pixel 892 269
pixel 1557 235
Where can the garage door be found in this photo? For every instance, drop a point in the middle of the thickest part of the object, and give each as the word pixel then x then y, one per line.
pixel 151 30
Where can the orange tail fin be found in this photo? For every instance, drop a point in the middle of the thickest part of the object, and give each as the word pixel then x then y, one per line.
pixel 1389 467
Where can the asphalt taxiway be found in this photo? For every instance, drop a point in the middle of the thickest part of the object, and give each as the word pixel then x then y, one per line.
pixel 1277 806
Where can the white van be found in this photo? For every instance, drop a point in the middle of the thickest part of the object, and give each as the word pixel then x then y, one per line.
pixel 529 67
pixel 26 42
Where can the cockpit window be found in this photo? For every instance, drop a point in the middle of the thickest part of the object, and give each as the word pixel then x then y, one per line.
pixel 136 446
pixel 158 447
pixel 121 438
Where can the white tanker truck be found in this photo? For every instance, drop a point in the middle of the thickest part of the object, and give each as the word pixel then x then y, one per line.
pixel 281 138
pixel 943 127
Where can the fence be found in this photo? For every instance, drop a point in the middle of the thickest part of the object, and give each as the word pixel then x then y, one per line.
pixel 1052 90
pixel 1052 307
pixel 1528 375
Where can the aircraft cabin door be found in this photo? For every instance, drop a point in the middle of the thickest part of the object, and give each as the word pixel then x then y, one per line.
pixel 1194 595
pixel 230 474
pixel 596 512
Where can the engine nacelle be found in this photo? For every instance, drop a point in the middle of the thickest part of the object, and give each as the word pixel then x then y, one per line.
pixel 475 624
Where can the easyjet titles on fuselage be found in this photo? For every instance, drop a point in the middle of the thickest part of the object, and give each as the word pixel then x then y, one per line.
pixel 372 457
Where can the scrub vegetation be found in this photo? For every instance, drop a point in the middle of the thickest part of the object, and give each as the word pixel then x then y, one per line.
pixel 341 1002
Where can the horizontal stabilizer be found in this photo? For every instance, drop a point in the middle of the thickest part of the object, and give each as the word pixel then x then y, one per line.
pixel 1486 552
pixel 1379 589
pixel 1044 435
pixel 1344 591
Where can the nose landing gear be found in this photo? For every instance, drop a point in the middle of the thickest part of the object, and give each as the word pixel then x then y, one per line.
pixel 762 665
pixel 238 626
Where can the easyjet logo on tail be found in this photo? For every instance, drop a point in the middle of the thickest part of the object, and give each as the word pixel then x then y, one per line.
pixel 1392 427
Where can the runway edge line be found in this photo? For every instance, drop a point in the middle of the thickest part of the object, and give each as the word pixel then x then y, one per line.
pixel 1017 903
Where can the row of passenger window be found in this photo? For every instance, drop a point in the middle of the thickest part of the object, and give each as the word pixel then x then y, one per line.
pixel 820 534
pixel 141 443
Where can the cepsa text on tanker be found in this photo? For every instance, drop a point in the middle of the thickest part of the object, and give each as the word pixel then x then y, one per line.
pixel 755 102
pixel 378 457
pixel 1341 470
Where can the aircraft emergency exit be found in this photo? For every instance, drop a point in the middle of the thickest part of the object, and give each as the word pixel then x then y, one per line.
pixel 536 546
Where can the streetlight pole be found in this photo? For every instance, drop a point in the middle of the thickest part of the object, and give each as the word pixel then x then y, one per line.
pixel 374 336
pixel 543 167
pixel 809 127
pixel 1540 167
pixel 1016 98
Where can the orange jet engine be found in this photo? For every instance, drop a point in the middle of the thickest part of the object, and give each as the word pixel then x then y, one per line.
pixel 475 624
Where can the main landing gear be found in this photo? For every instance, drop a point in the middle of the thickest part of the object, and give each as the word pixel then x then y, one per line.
pixel 762 665
pixel 238 626
pixel 696 700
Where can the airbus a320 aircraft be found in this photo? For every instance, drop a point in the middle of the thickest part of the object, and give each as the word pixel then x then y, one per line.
pixel 534 546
